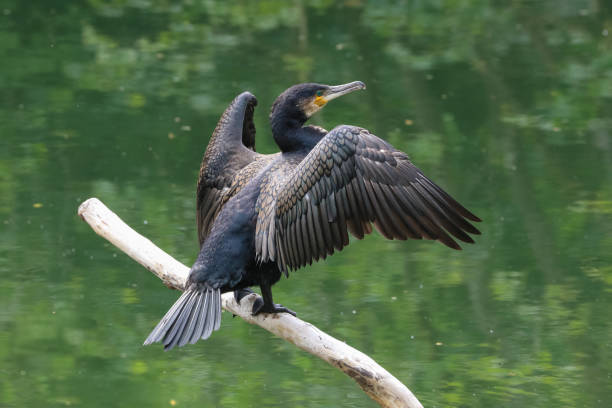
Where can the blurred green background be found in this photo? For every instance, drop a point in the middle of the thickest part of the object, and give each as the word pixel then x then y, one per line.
pixel 507 105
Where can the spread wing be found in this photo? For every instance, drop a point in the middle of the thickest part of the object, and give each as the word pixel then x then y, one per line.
pixel 350 180
pixel 231 148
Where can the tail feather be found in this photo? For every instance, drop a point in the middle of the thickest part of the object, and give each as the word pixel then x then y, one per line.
pixel 193 320
pixel 199 326
pixel 217 296
pixel 166 322
pixel 195 315
pixel 178 327
pixel 210 321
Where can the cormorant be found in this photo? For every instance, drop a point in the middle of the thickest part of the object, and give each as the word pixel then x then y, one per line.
pixel 260 215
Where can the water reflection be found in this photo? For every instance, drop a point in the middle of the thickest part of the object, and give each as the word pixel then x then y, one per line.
pixel 507 106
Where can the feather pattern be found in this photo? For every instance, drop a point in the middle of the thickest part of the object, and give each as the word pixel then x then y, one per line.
pixel 194 316
pixel 348 181
pixel 230 149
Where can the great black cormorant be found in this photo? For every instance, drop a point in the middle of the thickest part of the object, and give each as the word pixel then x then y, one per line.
pixel 260 215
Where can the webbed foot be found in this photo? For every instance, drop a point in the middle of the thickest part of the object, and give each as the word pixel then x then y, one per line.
pixel 260 307
pixel 241 293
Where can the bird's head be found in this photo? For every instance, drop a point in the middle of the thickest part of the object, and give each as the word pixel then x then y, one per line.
pixel 302 101
pixel 293 108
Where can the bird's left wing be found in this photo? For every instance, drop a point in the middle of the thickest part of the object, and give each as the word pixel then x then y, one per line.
pixel 349 180
pixel 230 149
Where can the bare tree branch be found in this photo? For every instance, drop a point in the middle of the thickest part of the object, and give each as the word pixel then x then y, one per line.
pixel 381 386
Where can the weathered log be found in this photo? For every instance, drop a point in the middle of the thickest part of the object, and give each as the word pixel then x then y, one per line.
pixel 381 386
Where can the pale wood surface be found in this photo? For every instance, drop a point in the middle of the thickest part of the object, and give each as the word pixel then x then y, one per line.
pixel 381 386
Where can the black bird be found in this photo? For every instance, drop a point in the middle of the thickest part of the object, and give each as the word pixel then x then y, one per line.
pixel 260 215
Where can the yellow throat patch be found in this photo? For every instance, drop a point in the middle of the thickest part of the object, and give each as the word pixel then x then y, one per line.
pixel 320 101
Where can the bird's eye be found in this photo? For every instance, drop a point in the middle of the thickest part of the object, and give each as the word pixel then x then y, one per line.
pixel 319 93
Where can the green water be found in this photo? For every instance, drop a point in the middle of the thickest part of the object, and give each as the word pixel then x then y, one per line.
pixel 507 106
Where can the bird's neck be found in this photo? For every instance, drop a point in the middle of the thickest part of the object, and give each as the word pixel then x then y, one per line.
pixel 288 132
pixel 296 139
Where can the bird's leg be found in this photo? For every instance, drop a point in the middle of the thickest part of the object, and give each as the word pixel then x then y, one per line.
pixel 241 293
pixel 268 305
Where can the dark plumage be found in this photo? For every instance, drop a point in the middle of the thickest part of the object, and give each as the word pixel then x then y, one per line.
pixel 260 215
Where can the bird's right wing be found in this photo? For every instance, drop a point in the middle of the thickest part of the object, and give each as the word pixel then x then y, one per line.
pixel 231 148
pixel 349 180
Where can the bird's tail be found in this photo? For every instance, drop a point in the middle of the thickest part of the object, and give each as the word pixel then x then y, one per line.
pixel 193 316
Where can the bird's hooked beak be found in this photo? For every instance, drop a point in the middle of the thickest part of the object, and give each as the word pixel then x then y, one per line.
pixel 338 90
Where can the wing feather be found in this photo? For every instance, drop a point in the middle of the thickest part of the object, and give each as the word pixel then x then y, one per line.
pixel 230 149
pixel 350 180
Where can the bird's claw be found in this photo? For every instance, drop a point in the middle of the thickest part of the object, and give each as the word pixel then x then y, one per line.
pixel 241 293
pixel 260 307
